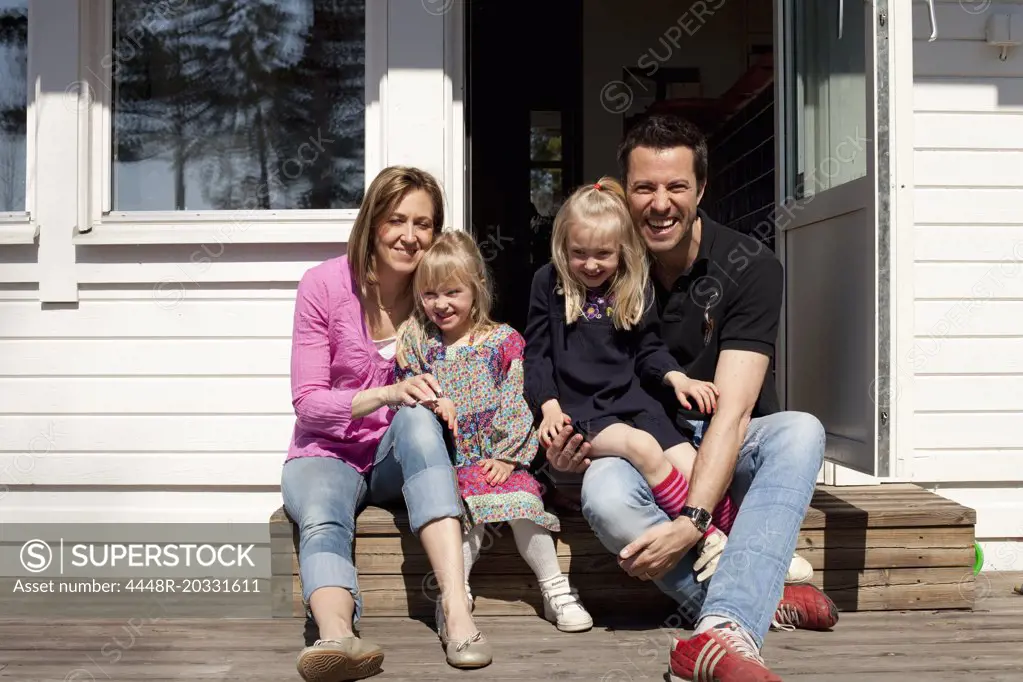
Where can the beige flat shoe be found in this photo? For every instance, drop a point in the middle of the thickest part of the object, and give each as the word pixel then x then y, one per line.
pixel 339 660
pixel 473 652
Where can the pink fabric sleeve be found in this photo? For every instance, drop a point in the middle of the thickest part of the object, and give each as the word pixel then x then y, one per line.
pixel 319 407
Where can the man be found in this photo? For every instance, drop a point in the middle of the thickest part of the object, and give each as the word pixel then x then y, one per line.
pixel 719 295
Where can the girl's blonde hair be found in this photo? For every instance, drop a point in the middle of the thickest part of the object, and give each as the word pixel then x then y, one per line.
pixel 453 257
pixel 603 206
pixel 387 190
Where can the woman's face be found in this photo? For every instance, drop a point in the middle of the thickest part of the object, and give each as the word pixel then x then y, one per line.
pixel 404 234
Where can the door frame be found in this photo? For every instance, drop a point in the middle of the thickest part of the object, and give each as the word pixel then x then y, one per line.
pixel 877 183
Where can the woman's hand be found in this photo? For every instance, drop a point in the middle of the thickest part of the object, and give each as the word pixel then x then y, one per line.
pixel 445 409
pixel 703 392
pixel 497 471
pixel 423 388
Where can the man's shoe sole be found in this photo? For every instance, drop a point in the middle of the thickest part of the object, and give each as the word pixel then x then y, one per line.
pixel 337 666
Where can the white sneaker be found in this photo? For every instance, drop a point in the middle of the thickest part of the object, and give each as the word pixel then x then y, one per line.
pixel 562 607
pixel 800 571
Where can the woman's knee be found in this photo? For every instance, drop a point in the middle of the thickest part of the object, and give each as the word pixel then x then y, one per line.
pixel 418 439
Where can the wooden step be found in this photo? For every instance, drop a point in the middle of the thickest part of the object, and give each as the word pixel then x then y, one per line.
pixel 873 548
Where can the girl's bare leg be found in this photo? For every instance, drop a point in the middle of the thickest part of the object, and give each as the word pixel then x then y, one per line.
pixel 638 447
pixel 683 458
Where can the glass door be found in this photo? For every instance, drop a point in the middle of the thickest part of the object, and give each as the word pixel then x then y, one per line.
pixel 831 217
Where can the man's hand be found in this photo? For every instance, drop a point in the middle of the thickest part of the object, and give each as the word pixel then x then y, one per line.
pixel 567 452
pixel 497 471
pixel 659 549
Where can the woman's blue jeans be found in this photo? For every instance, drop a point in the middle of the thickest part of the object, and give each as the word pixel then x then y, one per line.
pixel 323 495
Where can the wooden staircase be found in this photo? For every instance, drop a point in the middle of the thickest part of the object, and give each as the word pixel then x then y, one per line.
pixel 873 548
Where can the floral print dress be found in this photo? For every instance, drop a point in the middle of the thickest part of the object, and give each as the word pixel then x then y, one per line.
pixel 484 379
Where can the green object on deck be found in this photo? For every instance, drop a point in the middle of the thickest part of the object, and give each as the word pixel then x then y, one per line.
pixel 978 562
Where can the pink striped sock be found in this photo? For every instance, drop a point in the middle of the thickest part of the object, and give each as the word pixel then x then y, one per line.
pixel 671 493
pixel 725 513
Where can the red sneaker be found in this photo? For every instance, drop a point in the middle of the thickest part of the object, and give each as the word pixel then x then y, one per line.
pixel 806 607
pixel 721 654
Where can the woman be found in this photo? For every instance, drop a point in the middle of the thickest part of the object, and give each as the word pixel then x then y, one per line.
pixel 352 446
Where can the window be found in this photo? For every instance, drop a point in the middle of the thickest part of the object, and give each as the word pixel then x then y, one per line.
pixel 13 102
pixel 830 96
pixel 227 105
pixel 546 172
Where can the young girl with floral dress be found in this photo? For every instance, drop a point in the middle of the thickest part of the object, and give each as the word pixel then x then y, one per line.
pixel 478 364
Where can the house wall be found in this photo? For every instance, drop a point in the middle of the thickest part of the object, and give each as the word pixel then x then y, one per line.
pixel 163 393
pixel 966 363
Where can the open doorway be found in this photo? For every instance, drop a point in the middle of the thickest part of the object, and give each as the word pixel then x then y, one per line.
pixel 552 86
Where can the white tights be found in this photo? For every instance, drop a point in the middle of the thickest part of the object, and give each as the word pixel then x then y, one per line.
pixel 534 543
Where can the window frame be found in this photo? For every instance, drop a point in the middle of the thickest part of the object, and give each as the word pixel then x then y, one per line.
pixel 101 225
pixel 21 227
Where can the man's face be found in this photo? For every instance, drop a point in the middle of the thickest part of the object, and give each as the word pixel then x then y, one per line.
pixel 663 195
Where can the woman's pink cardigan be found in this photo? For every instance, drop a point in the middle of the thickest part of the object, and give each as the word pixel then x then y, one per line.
pixel 332 359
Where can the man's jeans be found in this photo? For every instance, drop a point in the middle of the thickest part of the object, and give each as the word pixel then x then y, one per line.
pixel 774 480
pixel 323 496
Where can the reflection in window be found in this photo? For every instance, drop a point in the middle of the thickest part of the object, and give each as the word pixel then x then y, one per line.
pixel 546 188
pixel 238 104
pixel 831 96
pixel 13 102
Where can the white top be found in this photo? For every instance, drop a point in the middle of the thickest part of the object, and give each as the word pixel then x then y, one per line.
pixel 386 347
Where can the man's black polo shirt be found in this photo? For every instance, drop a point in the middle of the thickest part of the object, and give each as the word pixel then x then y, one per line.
pixel 729 299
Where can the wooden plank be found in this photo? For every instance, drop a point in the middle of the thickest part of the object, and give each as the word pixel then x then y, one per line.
pixel 872 645
pixel 144 357
pixel 831 507
pixel 967 168
pixel 961 131
pixel 987 394
pixel 605 594
pixel 874 548
pixel 966 429
pixel 109 319
pixel 958 280
pixel 146 395
pixel 975 206
pixel 998 247
pixel 121 433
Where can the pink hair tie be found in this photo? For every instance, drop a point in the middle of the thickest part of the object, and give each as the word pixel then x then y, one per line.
pixel 596 185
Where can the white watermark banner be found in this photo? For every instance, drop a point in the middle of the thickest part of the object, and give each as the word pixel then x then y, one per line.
pixel 105 570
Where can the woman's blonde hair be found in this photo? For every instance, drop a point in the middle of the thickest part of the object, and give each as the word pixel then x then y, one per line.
pixel 453 257
pixel 387 190
pixel 603 206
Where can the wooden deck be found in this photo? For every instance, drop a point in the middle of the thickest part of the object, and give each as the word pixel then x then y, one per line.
pixel 982 645
pixel 887 547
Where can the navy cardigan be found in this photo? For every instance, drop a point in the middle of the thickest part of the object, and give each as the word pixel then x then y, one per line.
pixel 591 368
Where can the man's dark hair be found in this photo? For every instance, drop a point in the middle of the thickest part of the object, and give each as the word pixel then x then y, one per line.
pixel 665 131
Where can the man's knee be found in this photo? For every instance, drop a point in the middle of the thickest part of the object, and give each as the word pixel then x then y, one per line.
pixel 805 438
pixel 617 502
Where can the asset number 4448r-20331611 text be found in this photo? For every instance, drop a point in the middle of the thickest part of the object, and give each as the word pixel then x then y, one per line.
pixel 194 585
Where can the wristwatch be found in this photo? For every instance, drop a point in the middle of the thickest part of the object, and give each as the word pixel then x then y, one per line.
pixel 700 517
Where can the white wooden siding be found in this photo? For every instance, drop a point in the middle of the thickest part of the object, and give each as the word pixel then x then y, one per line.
pixel 163 393
pixel 967 360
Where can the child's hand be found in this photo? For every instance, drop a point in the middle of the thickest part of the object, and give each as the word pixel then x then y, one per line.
pixel 550 427
pixel 445 409
pixel 703 392
pixel 497 471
